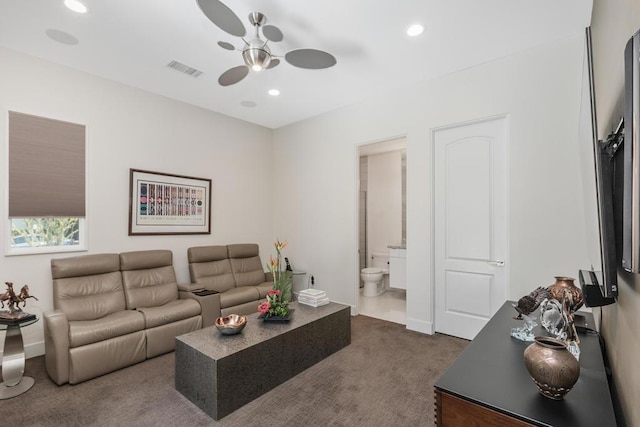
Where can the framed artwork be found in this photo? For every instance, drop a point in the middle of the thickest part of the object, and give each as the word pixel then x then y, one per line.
pixel 161 203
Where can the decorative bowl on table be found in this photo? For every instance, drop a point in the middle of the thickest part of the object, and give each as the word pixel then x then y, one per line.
pixel 231 324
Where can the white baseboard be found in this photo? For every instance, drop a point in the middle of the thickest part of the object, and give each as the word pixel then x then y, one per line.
pixel 420 326
pixel 34 349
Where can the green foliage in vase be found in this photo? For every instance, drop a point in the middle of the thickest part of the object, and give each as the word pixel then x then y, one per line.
pixel 277 302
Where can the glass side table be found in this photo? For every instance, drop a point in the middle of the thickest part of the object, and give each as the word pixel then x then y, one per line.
pixel 298 282
pixel 13 383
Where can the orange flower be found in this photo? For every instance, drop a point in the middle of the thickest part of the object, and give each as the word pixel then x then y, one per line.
pixel 273 263
pixel 280 245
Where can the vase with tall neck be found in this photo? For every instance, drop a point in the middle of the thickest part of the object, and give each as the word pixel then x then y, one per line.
pixel 562 284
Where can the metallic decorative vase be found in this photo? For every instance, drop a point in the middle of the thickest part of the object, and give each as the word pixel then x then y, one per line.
pixel 566 284
pixel 231 324
pixel 552 367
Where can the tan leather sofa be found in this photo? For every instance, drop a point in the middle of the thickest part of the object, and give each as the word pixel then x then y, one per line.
pixel 235 271
pixel 114 310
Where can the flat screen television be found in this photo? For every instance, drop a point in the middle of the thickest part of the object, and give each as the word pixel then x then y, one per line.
pixel 606 163
pixel 631 202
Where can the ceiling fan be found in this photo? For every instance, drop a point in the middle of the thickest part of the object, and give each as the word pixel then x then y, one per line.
pixel 256 53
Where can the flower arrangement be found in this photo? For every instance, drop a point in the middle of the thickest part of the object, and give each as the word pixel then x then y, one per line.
pixel 277 302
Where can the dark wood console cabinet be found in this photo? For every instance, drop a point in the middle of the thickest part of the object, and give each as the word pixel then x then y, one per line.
pixel 488 384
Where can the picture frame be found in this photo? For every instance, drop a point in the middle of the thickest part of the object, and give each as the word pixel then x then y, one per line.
pixel 162 204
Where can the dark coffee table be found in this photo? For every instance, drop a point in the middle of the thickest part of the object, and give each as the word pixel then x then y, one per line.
pixel 221 373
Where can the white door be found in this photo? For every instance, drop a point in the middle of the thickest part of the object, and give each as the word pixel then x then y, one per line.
pixel 470 235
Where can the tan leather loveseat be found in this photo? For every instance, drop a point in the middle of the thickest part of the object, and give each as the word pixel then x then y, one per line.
pixel 114 310
pixel 235 271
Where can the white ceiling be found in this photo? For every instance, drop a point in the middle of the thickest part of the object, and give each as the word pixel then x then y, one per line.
pixel 132 41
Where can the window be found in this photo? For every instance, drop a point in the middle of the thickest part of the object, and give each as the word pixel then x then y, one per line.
pixel 47 234
pixel 46 185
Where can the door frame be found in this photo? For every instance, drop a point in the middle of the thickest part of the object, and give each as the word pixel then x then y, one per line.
pixel 507 267
pixel 355 310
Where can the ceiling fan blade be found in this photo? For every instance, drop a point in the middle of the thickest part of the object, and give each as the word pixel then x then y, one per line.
pixel 226 45
pixel 222 17
pixel 311 59
pixel 274 63
pixel 233 75
pixel 272 33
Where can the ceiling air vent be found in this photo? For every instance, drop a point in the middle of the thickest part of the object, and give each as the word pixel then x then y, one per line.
pixel 178 66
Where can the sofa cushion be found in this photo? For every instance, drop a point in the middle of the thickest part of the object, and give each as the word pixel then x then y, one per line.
pixel 210 267
pixel 162 339
pixel 84 265
pixel 263 288
pixel 92 360
pixel 149 278
pixel 214 275
pixel 247 271
pixel 83 332
pixel 140 260
pixel 206 253
pixel 246 264
pixel 87 287
pixel 170 312
pixel 89 297
pixel 237 296
pixel 243 250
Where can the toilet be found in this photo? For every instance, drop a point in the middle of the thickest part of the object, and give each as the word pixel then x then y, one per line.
pixel 375 277
pixel 372 278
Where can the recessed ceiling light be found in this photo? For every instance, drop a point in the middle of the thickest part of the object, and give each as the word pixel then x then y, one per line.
pixel 76 6
pixel 415 30
pixel 274 92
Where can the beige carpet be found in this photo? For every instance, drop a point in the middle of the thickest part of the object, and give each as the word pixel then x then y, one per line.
pixel 384 378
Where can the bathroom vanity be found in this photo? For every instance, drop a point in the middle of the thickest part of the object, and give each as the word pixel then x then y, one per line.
pixel 398 267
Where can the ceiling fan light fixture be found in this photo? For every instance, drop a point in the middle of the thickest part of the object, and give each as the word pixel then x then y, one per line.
pixel 256 55
pixel 257 60
pixel 257 68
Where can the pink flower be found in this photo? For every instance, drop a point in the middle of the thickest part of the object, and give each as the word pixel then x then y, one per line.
pixel 264 307
pixel 272 292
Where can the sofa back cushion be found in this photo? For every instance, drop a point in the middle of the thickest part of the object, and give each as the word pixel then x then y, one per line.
pixel 149 278
pixel 209 266
pixel 87 287
pixel 245 264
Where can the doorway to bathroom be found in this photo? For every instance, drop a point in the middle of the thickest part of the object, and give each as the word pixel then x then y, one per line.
pixel 382 230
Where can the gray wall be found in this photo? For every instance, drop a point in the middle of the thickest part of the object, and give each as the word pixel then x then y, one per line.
pixel 613 23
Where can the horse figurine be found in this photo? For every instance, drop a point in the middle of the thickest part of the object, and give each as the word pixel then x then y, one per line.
pixel 8 296
pixel 22 297
pixel 13 300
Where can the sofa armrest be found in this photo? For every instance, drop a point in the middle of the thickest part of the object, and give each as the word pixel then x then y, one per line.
pixel 268 277
pixel 209 305
pixel 56 345
pixel 190 287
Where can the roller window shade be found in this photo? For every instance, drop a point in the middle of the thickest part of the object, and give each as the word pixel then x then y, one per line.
pixel 46 167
